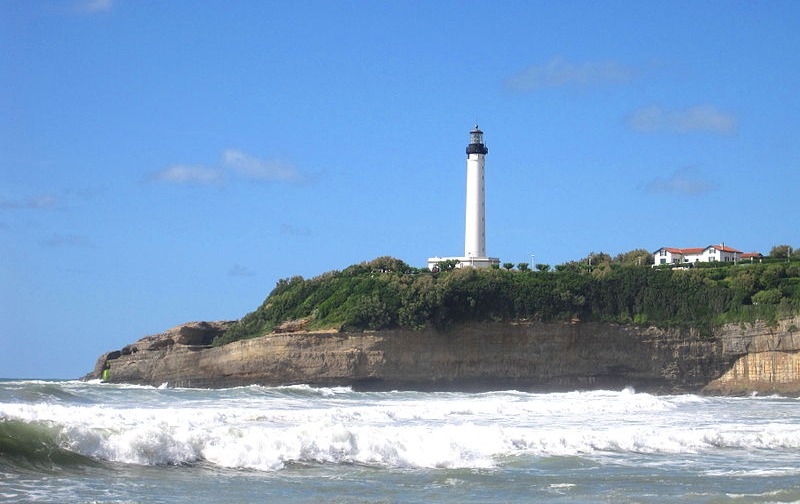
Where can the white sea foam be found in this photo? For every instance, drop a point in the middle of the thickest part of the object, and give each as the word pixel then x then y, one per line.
pixel 264 429
pixel 616 445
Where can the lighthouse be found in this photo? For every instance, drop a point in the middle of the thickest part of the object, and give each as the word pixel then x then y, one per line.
pixel 475 220
pixel 475 217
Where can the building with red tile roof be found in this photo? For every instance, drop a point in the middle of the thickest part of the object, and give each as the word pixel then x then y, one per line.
pixel 712 253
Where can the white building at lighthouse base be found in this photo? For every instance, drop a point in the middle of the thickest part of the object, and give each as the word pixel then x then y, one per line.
pixel 464 262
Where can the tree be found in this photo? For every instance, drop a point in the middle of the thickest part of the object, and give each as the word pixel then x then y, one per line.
pixel 780 251
pixel 388 264
pixel 377 295
pixel 638 257
pixel 599 258
pixel 572 266
pixel 522 266
pixel 508 266
pixel 769 296
pixel 447 265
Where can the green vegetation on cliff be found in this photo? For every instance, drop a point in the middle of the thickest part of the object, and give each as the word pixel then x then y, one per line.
pixel 388 293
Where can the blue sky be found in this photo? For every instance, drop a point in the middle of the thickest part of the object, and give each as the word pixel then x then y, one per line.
pixel 169 161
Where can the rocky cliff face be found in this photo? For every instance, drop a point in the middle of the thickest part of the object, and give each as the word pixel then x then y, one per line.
pixel 769 360
pixel 531 356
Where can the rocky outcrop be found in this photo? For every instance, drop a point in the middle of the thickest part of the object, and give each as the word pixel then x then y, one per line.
pixel 190 335
pixel 525 355
pixel 769 360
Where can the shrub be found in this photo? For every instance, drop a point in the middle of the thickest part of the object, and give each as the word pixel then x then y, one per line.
pixel 767 297
pixel 387 293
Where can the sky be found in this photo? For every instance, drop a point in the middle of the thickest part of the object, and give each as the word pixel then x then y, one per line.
pixel 169 161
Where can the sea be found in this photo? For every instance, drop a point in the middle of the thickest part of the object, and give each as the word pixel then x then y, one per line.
pixel 91 442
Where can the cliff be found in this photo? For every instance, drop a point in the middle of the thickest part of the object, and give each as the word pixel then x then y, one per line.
pixel 480 356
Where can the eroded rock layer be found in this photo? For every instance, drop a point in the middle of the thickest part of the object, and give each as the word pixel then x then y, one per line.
pixel 527 355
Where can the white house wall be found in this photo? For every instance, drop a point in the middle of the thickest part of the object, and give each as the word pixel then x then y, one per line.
pixel 710 254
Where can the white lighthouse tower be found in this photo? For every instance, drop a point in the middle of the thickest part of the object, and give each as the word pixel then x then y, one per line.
pixel 475 218
pixel 475 228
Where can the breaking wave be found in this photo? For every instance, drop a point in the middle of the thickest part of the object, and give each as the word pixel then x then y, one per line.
pixel 34 445
pixel 267 428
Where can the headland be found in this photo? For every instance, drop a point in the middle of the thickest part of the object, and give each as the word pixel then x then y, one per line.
pixel 736 359
pixel 382 325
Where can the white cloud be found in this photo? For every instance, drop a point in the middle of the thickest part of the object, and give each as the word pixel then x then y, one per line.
pixel 234 164
pixel 560 73
pixel 238 270
pixel 33 203
pixel 289 230
pixel 194 175
pixel 258 169
pixel 684 181
pixel 94 6
pixel 699 118
pixel 67 240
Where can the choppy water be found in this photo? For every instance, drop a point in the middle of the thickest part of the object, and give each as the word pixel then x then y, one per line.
pixel 90 442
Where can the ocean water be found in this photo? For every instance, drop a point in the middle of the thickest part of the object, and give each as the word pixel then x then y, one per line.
pixel 70 441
